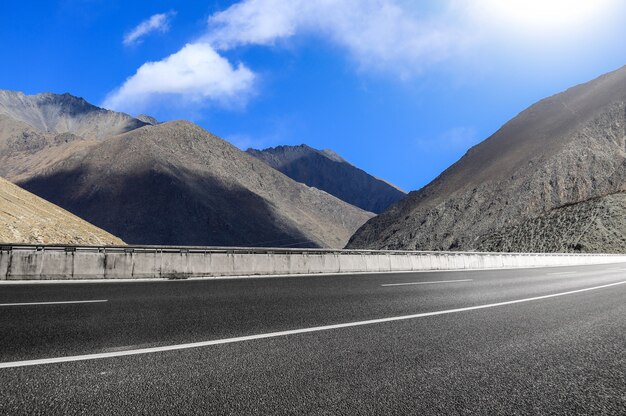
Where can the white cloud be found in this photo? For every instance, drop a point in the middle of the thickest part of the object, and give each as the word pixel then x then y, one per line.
pixel 400 38
pixel 195 74
pixel 158 22
pixel 388 35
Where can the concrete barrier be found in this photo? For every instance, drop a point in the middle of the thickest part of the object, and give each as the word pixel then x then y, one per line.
pixel 40 262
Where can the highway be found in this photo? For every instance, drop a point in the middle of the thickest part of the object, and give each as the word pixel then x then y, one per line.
pixel 524 341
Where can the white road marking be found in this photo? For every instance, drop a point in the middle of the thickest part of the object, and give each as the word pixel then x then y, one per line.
pixel 67 302
pixel 582 273
pixel 428 283
pixel 289 332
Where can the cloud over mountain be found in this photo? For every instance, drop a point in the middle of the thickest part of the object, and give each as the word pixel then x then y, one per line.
pixel 196 73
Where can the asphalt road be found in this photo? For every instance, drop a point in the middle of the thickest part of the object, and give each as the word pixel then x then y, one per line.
pixel 503 345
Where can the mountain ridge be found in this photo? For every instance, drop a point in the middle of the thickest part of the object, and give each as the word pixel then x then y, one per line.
pixel 65 113
pixel 328 171
pixel 564 149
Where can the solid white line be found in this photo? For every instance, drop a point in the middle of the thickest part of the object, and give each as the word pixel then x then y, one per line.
pixel 284 333
pixel 67 302
pixel 581 273
pixel 428 283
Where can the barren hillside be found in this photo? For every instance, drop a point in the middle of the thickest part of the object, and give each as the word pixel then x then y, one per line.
pixel 26 218
pixel 160 183
pixel 564 150
pixel 175 183
pixel 64 113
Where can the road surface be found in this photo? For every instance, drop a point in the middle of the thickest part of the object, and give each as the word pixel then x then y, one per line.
pixel 525 341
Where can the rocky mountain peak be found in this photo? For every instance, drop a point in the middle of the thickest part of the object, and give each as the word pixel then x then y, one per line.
pixel 148 119
pixel 65 113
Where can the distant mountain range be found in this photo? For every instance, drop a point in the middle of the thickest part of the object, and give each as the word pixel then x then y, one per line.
pixel 551 179
pixel 326 170
pixel 160 183
pixel 26 218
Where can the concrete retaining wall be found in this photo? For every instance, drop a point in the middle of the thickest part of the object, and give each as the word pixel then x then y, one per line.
pixel 23 262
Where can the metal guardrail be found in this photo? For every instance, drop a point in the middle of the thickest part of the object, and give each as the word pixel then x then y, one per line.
pixel 257 250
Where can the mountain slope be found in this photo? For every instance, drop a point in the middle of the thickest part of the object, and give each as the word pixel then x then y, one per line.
pixel 26 218
pixel 594 225
pixel 147 119
pixel 564 150
pixel 327 171
pixel 175 183
pixel 160 183
pixel 24 150
pixel 64 113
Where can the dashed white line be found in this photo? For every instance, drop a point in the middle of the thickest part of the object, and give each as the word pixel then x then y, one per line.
pixel 285 333
pixel 66 302
pixel 428 283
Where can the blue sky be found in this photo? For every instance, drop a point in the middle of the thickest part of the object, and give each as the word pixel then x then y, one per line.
pixel 400 88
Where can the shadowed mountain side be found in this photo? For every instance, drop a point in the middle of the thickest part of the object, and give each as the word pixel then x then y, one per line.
pixel 175 183
pixel 325 170
pixel 26 218
pixel 565 149
pixel 64 113
pixel 158 207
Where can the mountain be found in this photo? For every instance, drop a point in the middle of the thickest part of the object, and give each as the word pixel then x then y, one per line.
pixel 594 225
pixel 325 170
pixel 24 150
pixel 560 163
pixel 175 183
pixel 26 218
pixel 64 113
pixel 147 119
pixel 169 183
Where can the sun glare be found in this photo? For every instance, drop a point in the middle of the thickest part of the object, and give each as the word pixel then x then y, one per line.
pixel 544 14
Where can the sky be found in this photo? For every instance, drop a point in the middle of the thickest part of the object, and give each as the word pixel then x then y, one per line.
pixel 400 88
